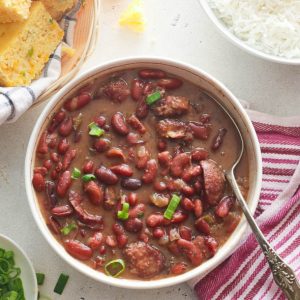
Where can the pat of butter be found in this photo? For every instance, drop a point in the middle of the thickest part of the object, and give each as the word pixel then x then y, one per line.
pixel 133 17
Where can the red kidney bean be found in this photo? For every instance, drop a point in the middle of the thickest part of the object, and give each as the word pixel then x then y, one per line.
pixel 62 211
pixel 136 124
pixel 178 217
pixel 159 186
pixel 63 184
pixel 47 164
pixel 42 147
pixel 115 152
pixel 212 244
pixel 65 128
pixel 132 199
pixel 142 157
pixel 174 248
pixel 199 130
pixel 77 102
pixel 38 182
pixel 111 241
pixel 169 83
pixel 56 120
pixel 78 249
pixel 152 74
pixel 63 146
pixel 137 87
pixel 202 226
pixel 54 157
pixel 142 109
pixel 150 171
pixel 109 198
pixel 131 184
pixel 41 170
pixel 95 192
pixel 118 124
pixel 51 194
pixel 187 204
pixel 233 221
pixel 100 121
pixel 143 237
pixel 95 241
pixel 106 176
pixel 58 167
pixel 187 190
pixel 102 250
pixel 88 167
pixel 69 156
pixel 193 252
pixel 54 175
pixel 134 139
pixel 102 145
pixel 164 158
pixel 199 154
pixel 205 118
pixel 178 164
pixel 155 220
pixel 224 206
pixel 51 140
pixel 197 186
pixel 158 232
pixel 54 225
pixel 133 225
pixel 137 211
pixel 185 233
pixel 121 236
pixel 179 268
pixel 191 172
pixel 218 140
pixel 162 145
pixel 198 208
pixel 122 170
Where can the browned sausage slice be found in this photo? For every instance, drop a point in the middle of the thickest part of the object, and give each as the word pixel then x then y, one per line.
pixel 173 129
pixel 214 181
pixel 144 260
pixel 171 106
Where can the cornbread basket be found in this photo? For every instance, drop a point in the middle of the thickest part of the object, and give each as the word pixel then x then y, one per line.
pixel 84 41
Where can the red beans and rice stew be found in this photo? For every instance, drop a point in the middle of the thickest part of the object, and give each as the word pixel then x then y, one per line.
pixel 129 175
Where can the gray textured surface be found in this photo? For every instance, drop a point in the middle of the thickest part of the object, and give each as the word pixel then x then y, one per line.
pixel 177 29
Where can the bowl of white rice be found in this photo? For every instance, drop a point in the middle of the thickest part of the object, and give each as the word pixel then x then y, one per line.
pixel 269 29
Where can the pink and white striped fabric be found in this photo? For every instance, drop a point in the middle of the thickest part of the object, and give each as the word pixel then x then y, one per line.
pixel 245 274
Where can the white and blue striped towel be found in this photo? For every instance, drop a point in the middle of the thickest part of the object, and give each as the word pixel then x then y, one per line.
pixel 14 101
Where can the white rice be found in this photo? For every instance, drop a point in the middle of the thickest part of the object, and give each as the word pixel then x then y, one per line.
pixel 271 26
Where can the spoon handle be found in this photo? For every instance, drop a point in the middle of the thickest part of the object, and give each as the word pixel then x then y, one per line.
pixel 283 274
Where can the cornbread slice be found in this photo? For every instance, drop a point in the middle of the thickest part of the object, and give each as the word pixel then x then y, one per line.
pixel 25 46
pixel 14 10
pixel 57 8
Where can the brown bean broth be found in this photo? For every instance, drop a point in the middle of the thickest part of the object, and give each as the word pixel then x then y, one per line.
pixel 105 107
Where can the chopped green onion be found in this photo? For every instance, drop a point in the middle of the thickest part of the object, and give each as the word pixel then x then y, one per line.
pixel 117 266
pixel 152 98
pixel 40 277
pixel 61 283
pixel 88 177
pixel 76 173
pixel 169 212
pixel 68 228
pixel 12 295
pixel 124 213
pixel 95 130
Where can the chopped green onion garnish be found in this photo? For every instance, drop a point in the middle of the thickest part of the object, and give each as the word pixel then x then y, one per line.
pixel 61 283
pixel 40 277
pixel 124 213
pixel 88 177
pixel 169 212
pixel 76 173
pixel 153 98
pixel 115 267
pixel 68 228
pixel 95 130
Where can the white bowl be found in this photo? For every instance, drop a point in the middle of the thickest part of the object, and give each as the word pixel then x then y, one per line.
pixel 22 261
pixel 241 44
pixel 194 75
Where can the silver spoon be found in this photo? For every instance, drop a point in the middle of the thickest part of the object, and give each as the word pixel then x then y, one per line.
pixel 283 274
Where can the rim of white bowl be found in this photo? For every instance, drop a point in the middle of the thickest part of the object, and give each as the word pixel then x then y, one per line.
pixel 240 43
pixel 27 260
pixel 204 268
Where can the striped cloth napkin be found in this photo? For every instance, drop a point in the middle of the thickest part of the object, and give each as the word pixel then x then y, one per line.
pixel 246 274
pixel 14 101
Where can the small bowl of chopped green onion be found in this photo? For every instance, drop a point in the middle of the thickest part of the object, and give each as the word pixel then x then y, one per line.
pixel 17 276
